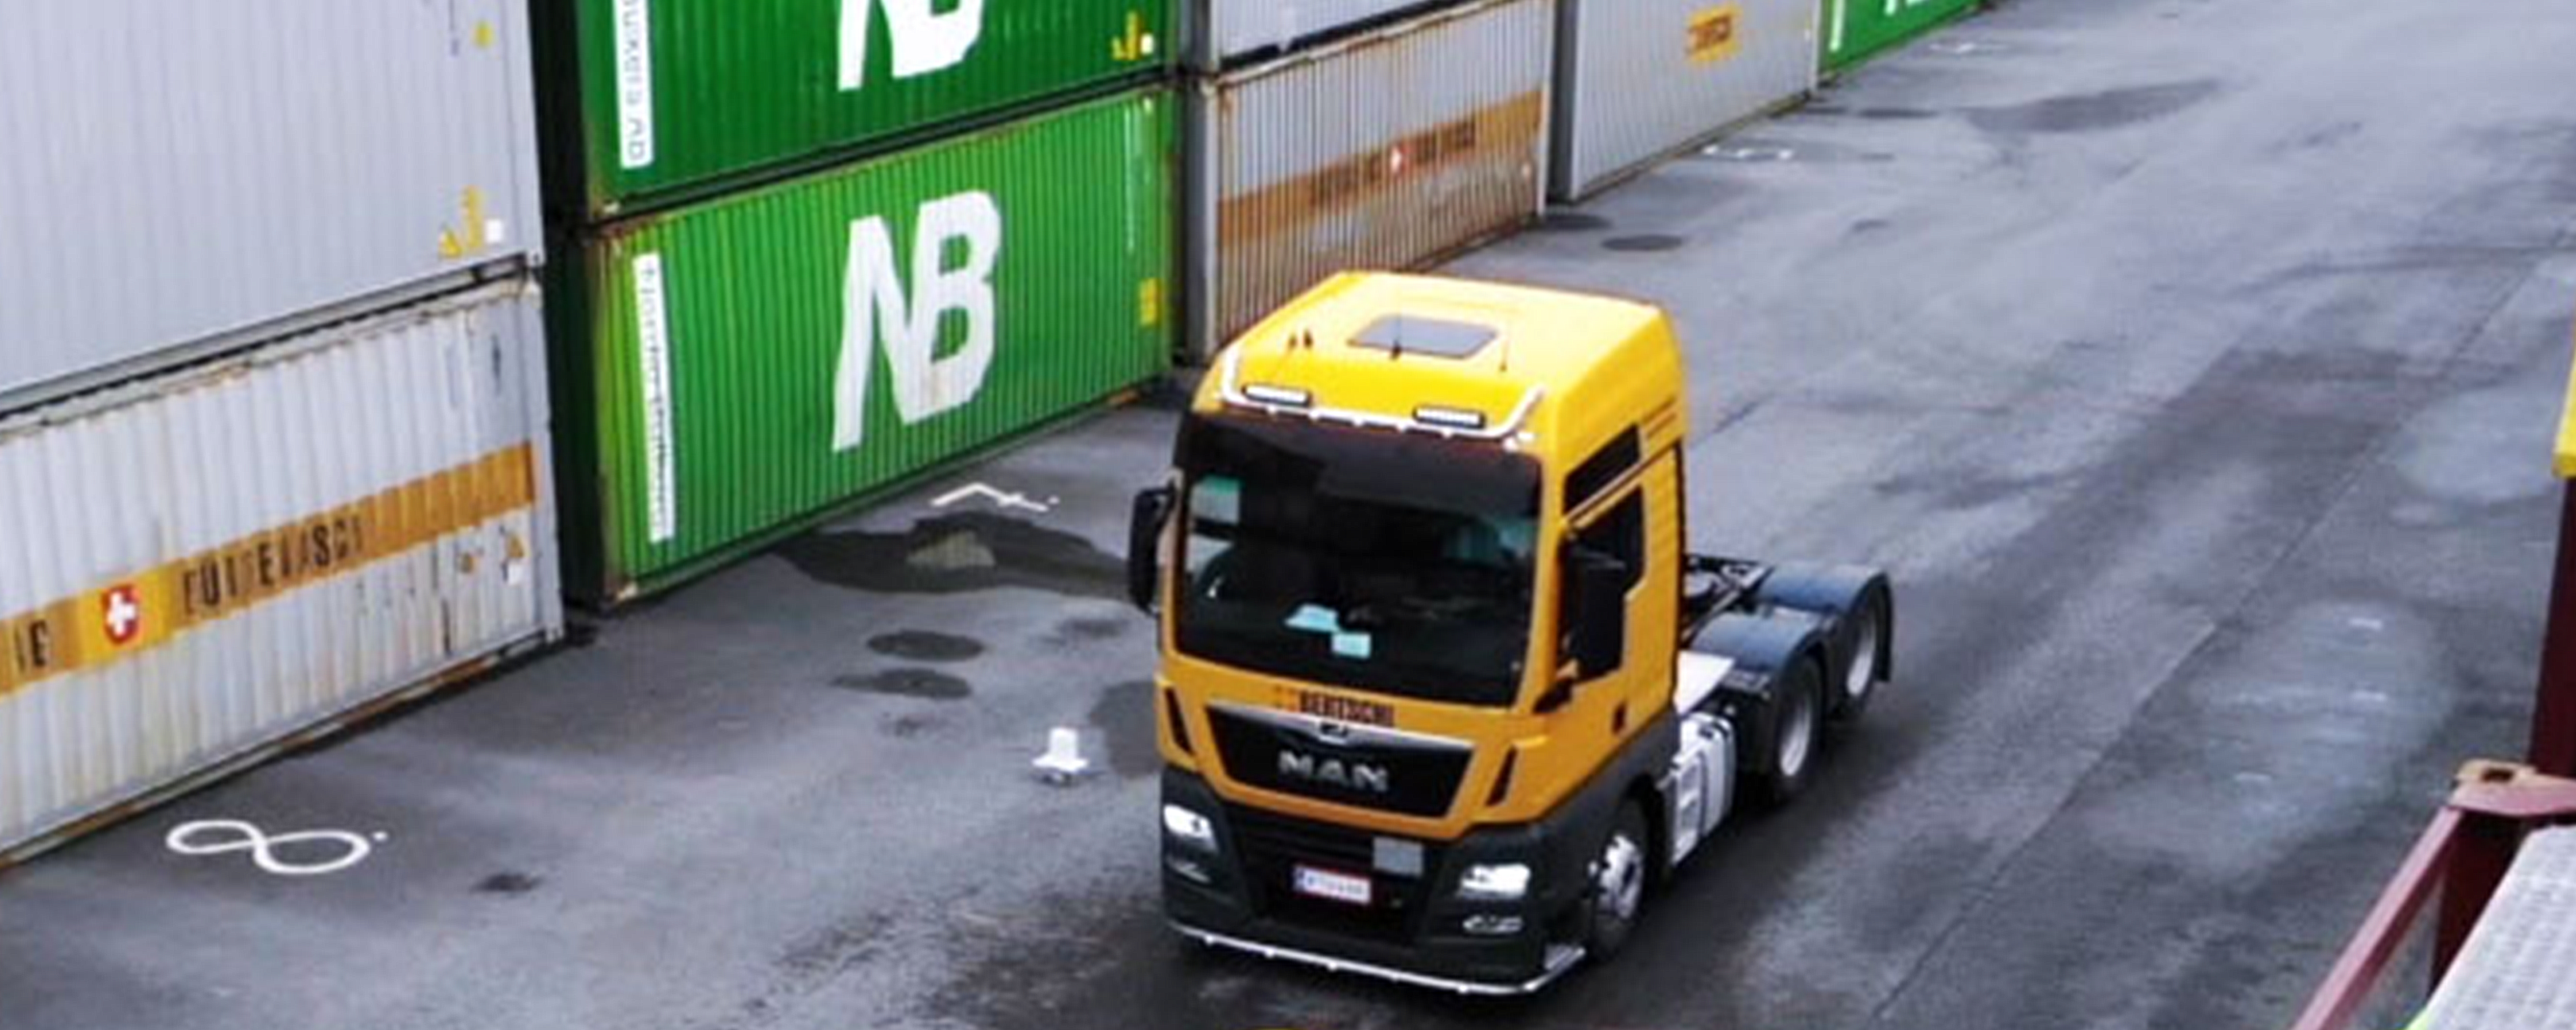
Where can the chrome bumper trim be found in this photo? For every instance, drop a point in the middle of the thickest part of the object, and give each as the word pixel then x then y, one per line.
pixel 1560 958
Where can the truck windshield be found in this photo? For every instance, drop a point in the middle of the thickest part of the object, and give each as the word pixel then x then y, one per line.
pixel 1359 558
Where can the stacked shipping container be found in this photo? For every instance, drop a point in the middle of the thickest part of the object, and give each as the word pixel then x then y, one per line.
pixel 1854 30
pixel 1639 79
pixel 1355 134
pixel 202 564
pixel 814 247
pixel 165 206
pixel 272 413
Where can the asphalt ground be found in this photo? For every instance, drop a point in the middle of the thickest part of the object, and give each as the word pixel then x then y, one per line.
pixel 2193 364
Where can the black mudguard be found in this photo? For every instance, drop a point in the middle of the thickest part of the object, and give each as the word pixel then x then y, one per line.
pixel 1760 644
pixel 1830 594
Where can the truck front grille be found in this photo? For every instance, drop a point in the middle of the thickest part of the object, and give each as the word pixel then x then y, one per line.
pixel 1273 846
pixel 1370 769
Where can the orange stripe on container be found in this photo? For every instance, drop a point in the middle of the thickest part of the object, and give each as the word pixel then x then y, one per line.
pixel 71 634
pixel 1501 132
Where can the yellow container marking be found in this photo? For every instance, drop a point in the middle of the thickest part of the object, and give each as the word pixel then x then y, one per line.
pixel 131 615
pixel 1716 34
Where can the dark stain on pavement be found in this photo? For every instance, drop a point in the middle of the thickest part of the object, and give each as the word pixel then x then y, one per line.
pixel 2095 112
pixel 925 684
pixel 956 554
pixel 1644 243
pixel 1124 715
pixel 833 949
pixel 1571 221
pixel 508 883
pixel 1963 491
pixel 809 965
pixel 925 646
pixel 1086 629
pixel 2328 137
pixel 906 726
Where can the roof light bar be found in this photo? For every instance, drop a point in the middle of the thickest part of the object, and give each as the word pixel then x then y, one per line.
pixel 1437 421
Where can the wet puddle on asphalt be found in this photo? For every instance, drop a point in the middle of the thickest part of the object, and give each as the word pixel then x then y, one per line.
pixel 954 554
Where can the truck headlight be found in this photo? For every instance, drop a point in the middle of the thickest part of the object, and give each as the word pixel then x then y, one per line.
pixel 1189 827
pixel 1500 882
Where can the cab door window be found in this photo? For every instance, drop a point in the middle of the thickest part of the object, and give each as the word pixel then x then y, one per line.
pixel 1618 536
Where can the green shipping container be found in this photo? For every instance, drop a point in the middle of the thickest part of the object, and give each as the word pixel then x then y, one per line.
pixel 1856 29
pixel 730 371
pixel 669 94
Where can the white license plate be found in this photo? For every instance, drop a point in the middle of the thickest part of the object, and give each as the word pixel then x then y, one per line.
pixel 1332 886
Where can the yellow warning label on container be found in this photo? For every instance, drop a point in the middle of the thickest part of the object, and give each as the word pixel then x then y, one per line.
pixel 1149 302
pixel 474 236
pixel 1135 44
pixel 1716 34
pixel 137 613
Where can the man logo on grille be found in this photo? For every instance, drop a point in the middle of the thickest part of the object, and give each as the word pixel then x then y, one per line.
pixel 121 610
pixel 1359 777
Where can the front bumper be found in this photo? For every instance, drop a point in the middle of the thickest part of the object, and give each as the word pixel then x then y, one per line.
pixel 1415 931
pixel 1560 958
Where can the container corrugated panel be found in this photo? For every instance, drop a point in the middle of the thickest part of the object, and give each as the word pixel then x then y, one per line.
pixel 1642 78
pixel 749 363
pixel 197 567
pixel 184 178
pixel 1854 30
pixel 1383 151
pixel 676 93
pixel 1226 32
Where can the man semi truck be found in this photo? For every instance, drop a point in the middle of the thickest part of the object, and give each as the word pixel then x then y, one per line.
pixel 1441 693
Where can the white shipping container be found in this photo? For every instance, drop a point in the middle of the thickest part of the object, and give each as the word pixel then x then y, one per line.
pixel 196 568
pixel 180 179
pixel 1641 79
pixel 1225 32
pixel 1382 151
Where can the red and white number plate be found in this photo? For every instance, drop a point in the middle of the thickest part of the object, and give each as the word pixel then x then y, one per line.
pixel 1332 886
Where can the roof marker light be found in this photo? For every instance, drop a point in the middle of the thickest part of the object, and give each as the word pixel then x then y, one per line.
pixel 1451 418
pixel 1279 395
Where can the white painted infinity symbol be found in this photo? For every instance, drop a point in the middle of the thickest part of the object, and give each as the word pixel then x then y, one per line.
pixel 263 848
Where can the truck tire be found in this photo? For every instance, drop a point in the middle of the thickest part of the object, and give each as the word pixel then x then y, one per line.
pixel 1858 605
pixel 1797 732
pixel 1616 896
pixel 1868 628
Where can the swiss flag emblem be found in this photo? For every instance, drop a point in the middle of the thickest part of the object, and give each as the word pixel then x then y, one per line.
pixel 121 611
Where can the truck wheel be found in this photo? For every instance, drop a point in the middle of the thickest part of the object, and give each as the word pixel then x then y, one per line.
pixel 1797 735
pixel 1617 894
pixel 1868 624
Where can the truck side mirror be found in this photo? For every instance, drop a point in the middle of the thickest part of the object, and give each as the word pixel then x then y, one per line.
pixel 1599 585
pixel 1145 519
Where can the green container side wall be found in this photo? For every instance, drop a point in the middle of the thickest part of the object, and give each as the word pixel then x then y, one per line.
pixel 755 303
pixel 740 86
pixel 1868 26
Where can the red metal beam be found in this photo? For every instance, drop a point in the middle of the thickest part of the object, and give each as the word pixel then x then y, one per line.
pixel 2553 720
pixel 2465 852
pixel 2481 853
pixel 2377 942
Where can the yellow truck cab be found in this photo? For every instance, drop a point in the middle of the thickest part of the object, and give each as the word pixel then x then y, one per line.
pixel 1441 691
